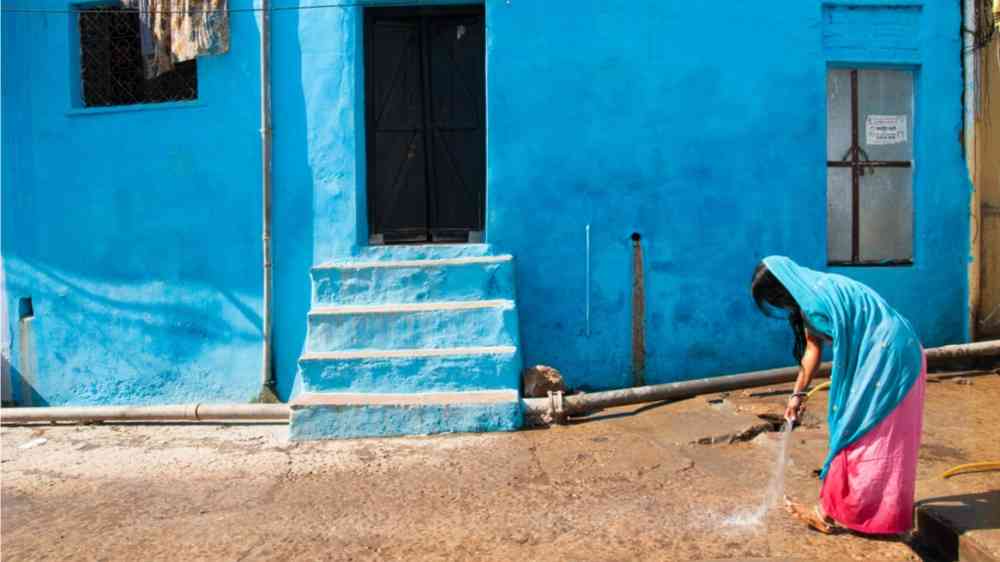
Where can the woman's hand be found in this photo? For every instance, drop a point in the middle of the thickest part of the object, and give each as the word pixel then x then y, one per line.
pixel 794 409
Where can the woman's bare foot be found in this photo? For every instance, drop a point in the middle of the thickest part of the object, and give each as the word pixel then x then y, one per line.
pixel 811 517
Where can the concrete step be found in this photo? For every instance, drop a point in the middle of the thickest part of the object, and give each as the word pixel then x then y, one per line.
pixel 349 415
pixel 413 325
pixel 412 370
pixel 420 252
pixel 419 280
pixel 966 531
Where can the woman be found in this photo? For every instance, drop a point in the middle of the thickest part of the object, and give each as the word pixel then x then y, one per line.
pixel 876 394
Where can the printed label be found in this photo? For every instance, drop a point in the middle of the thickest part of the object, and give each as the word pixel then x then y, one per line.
pixel 885 129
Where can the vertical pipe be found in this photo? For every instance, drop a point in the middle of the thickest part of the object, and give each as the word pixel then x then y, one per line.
pixel 969 68
pixel 856 172
pixel 638 314
pixel 587 288
pixel 267 368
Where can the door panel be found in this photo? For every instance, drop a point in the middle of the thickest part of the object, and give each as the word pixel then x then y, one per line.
pixel 397 186
pixel 425 116
pixel 457 123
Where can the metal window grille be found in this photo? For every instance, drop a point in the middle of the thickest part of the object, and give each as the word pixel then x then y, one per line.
pixel 112 69
pixel 859 168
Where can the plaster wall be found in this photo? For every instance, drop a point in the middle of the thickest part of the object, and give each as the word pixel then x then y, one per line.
pixel 706 133
pixel 137 233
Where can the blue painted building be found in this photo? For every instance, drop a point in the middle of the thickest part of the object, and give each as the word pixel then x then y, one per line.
pixel 534 138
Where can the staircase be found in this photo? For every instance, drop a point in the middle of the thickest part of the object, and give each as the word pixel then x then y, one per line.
pixel 405 341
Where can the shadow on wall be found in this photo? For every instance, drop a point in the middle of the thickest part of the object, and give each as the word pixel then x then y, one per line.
pixel 293 203
pixel 85 341
pixel 141 252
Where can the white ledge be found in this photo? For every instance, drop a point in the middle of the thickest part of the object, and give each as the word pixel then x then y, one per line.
pixel 415 399
pixel 409 307
pixel 414 263
pixel 407 353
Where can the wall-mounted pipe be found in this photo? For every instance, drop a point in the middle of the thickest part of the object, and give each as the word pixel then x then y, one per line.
pixel 535 408
pixel 176 412
pixel 267 366
pixel 543 409
pixel 638 313
pixel 970 107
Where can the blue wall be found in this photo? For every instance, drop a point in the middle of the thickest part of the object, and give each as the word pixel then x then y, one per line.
pixel 137 233
pixel 705 131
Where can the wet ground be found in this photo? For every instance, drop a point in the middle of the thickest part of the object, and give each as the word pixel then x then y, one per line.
pixel 628 484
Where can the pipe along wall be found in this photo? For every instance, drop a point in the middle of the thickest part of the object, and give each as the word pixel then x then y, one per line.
pixel 555 407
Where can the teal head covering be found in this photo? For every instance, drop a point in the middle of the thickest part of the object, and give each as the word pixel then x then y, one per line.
pixel 876 354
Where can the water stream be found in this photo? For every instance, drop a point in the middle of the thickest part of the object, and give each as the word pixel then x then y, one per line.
pixel 775 491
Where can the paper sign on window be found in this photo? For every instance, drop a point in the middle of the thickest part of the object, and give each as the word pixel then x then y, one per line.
pixel 885 129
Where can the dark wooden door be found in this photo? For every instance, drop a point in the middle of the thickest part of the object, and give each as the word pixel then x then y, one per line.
pixel 425 92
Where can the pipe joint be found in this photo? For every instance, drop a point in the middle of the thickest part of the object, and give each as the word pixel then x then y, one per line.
pixel 557 409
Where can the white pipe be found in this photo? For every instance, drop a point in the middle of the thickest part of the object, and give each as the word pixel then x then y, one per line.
pixel 175 412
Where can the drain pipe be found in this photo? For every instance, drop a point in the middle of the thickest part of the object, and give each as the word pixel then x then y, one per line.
pixel 555 406
pixel 970 97
pixel 638 314
pixel 558 407
pixel 267 393
pixel 178 412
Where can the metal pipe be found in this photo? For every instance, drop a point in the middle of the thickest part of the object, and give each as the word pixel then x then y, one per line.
pixel 970 108
pixel 989 348
pixel 638 314
pixel 175 412
pixel 267 367
pixel 533 407
pixel 583 403
pixel 539 408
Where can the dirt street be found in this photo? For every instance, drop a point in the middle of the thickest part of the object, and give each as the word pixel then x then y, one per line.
pixel 628 484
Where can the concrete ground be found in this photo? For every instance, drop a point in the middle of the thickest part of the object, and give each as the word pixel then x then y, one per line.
pixel 628 484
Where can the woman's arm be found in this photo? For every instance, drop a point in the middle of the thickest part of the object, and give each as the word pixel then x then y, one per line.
pixel 810 365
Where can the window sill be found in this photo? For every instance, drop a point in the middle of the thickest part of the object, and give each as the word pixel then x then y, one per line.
pixel 885 263
pixel 84 111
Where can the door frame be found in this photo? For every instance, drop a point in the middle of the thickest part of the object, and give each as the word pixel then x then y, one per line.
pixel 369 13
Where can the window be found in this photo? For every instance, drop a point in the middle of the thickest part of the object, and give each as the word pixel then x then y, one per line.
pixel 112 69
pixel 869 167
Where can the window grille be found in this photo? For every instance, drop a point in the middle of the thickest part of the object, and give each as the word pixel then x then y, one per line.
pixel 112 69
pixel 869 167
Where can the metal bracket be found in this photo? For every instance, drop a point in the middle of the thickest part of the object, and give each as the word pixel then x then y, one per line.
pixel 557 411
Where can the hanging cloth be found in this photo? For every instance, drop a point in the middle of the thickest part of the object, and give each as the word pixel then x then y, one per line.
pixel 877 356
pixel 173 31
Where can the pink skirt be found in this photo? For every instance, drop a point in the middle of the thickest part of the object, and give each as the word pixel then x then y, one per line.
pixel 870 485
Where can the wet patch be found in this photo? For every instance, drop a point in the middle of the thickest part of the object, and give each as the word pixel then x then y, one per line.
pixel 766 424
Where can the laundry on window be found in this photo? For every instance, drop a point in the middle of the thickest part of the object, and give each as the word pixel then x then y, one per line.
pixel 173 31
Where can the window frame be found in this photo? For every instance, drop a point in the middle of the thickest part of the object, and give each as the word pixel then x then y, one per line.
pixel 78 98
pixel 856 159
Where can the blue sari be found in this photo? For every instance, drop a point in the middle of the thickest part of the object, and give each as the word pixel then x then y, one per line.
pixel 877 356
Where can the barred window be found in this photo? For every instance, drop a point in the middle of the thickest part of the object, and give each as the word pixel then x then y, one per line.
pixel 869 166
pixel 112 70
